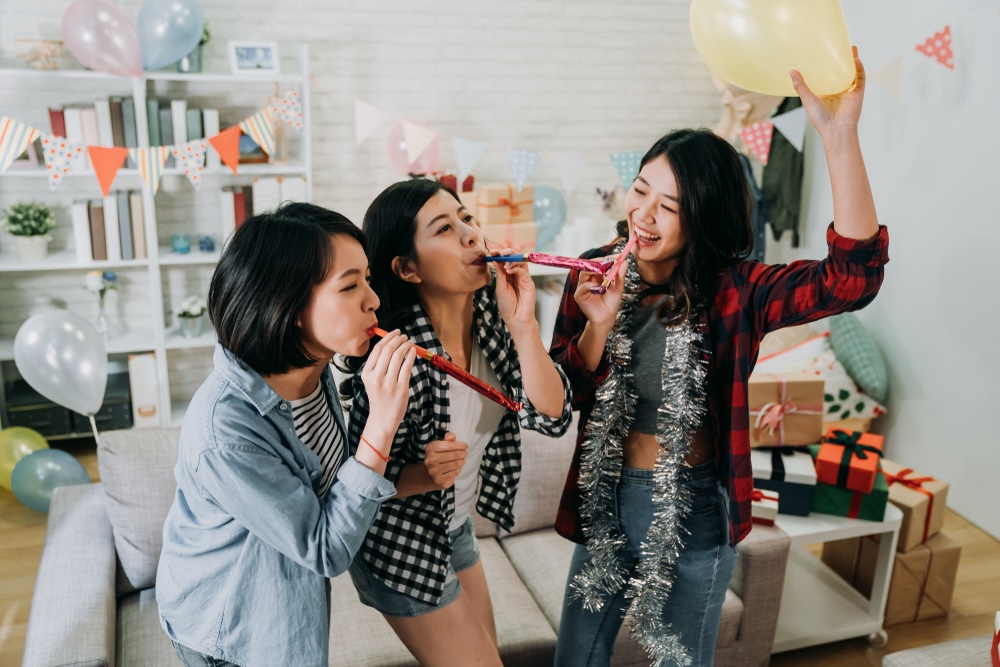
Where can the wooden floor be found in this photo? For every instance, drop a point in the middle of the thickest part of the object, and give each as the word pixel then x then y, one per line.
pixel 977 590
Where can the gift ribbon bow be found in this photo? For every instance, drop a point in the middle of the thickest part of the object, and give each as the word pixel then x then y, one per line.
pixel 759 495
pixel 852 448
pixel 509 202
pixel 772 415
pixel 917 484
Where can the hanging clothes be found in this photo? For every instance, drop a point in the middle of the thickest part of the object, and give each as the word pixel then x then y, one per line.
pixel 759 216
pixel 782 181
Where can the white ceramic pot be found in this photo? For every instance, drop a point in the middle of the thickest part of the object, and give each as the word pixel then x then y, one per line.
pixel 32 248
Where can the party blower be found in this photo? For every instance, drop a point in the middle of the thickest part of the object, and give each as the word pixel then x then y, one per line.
pixel 589 265
pixel 461 375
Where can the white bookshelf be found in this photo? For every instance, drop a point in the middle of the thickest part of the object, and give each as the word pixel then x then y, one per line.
pixel 151 287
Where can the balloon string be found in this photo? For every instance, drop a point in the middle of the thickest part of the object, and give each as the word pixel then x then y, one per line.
pixel 93 425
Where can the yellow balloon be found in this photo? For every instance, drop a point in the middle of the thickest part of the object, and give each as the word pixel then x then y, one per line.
pixel 16 443
pixel 754 43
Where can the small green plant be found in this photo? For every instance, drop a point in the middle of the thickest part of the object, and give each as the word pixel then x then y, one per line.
pixel 29 219
pixel 192 306
pixel 206 35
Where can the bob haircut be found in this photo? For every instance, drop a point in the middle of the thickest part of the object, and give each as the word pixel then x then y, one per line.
pixel 264 281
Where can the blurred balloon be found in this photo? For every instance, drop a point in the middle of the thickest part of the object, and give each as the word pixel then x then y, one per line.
pixel 102 37
pixel 63 358
pixel 168 30
pixel 38 473
pixel 427 162
pixel 549 212
pixel 753 43
pixel 16 443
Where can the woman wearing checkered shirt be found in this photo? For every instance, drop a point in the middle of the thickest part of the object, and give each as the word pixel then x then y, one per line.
pixel 454 450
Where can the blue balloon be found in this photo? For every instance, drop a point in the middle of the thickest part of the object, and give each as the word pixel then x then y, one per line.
pixel 38 473
pixel 550 214
pixel 168 31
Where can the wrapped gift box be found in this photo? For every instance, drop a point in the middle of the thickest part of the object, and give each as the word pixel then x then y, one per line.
pixel 849 460
pixel 923 578
pixel 853 504
pixel 501 204
pixel 922 500
pixel 788 471
pixel 785 409
pixel 764 508
pixel 521 236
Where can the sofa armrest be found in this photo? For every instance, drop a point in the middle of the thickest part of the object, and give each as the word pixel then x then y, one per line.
pixel 759 580
pixel 74 608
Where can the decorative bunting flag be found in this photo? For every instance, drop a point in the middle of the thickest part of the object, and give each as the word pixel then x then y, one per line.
pixel 260 128
pixel 60 156
pixel 570 166
pixel 367 119
pixel 107 162
pixel 938 47
pixel 627 165
pixel 417 138
pixel 758 138
pixel 793 126
pixel 150 161
pixel 227 145
pixel 15 137
pixel 467 156
pixel 522 163
pixel 190 157
pixel 887 78
pixel 287 109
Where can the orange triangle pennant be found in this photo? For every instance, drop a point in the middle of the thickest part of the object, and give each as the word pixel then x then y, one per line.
pixel 107 162
pixel 227 145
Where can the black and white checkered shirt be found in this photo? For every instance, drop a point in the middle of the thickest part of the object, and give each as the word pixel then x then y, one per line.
pixel 407 546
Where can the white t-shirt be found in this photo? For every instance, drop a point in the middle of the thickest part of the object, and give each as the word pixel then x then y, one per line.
pixel 474 420
pixel 316 427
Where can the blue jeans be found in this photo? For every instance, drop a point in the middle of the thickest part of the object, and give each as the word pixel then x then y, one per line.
pixel 702 573
pixel 192 658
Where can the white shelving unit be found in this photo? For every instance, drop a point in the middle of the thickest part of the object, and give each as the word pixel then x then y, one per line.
pixel 149 287
pixel 817 605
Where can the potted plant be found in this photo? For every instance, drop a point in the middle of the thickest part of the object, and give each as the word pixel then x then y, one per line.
pixel 192 61
pixel 191 316
pixel 30 225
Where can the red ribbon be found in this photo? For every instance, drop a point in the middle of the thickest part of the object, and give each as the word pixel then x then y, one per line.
pixel 915 483
pixel 995 650
pixel 757 495
pixel 855 508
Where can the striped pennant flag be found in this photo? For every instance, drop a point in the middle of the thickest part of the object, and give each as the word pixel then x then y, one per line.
pixel 190 158
pixel 260 128
pixel 60 157
pixel 150 161
pixel 15 137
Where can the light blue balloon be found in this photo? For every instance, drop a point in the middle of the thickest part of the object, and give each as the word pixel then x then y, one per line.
pixel 38 473
pixel 550 214
pixel 168 31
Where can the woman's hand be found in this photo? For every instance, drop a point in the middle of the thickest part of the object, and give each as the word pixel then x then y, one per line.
pixel 444 460
pixel 833 113
pixel 515 293
pixel 386 377
pixel 601 309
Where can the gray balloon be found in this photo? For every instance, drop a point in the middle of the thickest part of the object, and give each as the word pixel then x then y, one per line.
pixel 63 357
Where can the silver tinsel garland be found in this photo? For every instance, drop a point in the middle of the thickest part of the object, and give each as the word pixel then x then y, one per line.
pixel 680 413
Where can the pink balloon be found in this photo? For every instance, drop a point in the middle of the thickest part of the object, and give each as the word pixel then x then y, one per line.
pixel 102 37
pixel 427 162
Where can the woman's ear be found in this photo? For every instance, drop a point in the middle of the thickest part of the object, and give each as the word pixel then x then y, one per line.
pixel 404 269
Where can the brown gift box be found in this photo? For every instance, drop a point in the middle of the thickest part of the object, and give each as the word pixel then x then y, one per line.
pixel 785 409
pixel 521 236
pixel 923 578
pixel 922 500
pixel 500 204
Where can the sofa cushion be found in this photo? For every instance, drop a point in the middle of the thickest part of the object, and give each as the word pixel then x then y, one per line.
pixel 137 471
pixel 141 640
pixel 729 625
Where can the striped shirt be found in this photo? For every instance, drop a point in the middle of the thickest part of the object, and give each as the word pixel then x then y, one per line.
pixel 318 430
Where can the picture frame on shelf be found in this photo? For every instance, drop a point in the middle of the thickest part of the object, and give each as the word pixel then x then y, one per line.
pixel 29 158
pixel 256 58
pixel 251 153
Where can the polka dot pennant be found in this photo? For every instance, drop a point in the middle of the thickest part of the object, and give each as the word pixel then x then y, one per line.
pixel 522 163
pixel 60 157
pixel 938 46
pixel 626 163
pixel 288 110
pixel 758 138
pixel 190 158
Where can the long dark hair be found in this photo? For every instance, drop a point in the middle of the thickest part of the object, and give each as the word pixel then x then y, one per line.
pixel 715 210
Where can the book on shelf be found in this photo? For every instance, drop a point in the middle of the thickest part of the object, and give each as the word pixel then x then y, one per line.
pixel 227 213
pixel 111 233
pixel 248 201
pixel 131 136
pixel 166 132
pixel 194 130
pixel 210 125
pixel 125 225
pixel 91 133
pixel 153 120
pixel 138 223
pixel 117 122
pixel 239 207
pixel 81 231
pixel 57 121
pixel 178 117
pixel 74 124
pixel 145 389
pixel 293 188
pixel 103 107
pixel 266 194
pixel 98 240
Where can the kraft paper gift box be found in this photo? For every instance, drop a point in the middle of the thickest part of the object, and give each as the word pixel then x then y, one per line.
pixel 837 501
pixel 923 578
pixel 922 500
pixel 785 409
pixel 849 460
pixel 764 507
pixel 788 471
pixel 501 204
pixel 521 236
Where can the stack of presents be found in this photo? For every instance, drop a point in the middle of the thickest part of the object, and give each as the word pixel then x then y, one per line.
pixel 505 214
pixel 799 469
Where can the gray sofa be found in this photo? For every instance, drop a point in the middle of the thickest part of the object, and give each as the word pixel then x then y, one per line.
pixel 94 601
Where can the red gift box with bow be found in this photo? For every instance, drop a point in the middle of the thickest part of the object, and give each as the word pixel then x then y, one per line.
pixel 849 459
pixel 764 507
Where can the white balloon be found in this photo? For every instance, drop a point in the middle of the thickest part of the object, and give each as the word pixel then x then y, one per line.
pixel 63 358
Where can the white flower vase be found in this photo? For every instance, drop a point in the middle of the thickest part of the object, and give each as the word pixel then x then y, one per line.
pixel 191 327
pixel 32 248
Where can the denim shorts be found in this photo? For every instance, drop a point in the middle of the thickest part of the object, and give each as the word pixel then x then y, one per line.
pixel 374 593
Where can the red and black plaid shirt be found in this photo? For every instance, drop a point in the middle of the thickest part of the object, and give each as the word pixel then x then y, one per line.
pixel 750 300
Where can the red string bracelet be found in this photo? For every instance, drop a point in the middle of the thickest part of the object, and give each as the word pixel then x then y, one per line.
pixel 377 452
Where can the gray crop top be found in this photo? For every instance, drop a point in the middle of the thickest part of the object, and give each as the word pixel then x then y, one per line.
pixel 649 339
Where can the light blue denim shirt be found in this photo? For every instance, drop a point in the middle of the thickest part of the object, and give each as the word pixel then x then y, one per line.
pixel 247 543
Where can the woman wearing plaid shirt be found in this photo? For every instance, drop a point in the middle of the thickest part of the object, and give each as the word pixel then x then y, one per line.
pixel 419 565
pixel 658 494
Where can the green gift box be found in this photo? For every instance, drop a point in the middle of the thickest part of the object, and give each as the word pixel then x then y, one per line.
pixel 853 504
